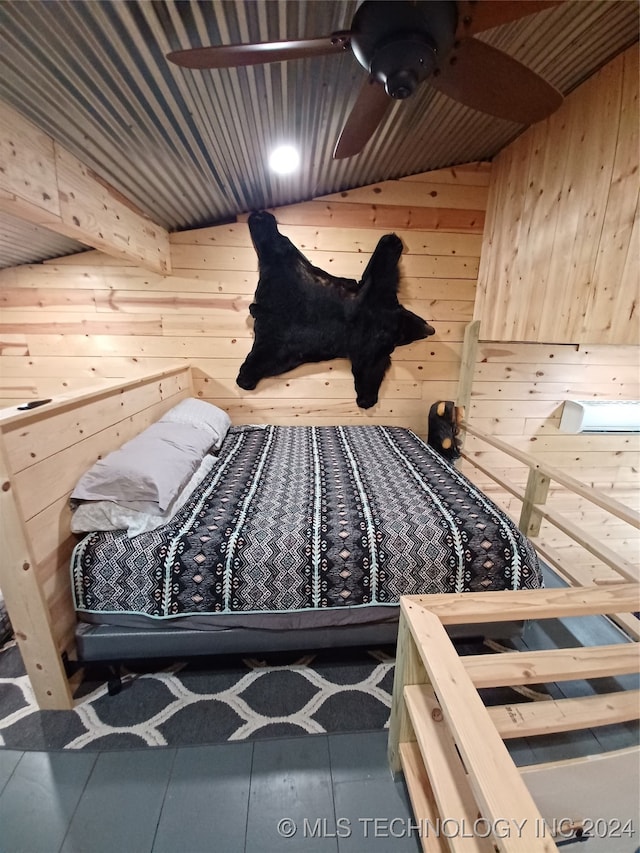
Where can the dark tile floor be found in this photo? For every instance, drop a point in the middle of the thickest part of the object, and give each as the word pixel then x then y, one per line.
pixel 290 795
pixel 316 793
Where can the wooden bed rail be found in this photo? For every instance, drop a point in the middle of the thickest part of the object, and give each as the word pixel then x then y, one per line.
pixel 43 452
pixel 534 512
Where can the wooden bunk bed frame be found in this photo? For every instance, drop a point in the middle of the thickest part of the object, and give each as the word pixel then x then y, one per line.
pixel 44 451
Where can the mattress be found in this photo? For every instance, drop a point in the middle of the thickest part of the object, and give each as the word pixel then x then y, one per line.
pixel 298 527
pixel 5 625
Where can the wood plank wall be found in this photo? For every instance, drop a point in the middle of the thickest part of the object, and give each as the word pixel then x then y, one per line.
pixel 557 293
pixel 560 258
pixel 86 318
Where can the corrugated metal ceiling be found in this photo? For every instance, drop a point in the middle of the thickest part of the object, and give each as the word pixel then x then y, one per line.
pixel 190 148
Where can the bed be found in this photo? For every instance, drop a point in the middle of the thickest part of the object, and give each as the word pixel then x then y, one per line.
pixel 297 537
pixel 300 528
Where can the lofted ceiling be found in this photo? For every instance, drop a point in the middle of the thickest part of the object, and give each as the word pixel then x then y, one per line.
pixel 190 148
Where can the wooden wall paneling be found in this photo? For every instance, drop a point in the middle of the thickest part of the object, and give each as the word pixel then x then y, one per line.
pixel 75 323
pixel 619 248
pixel 601 377
pixel 586 461
pixel 510 188
pixel 48 276
pixel 133 349
pixel 144 301
pixel 511 293
pixel 547 165
pixel 586 185
pixel 28 170
pixel 408 192
pixel 626 318
pixel 547 354
pixel 611 158
pixel 559 264
pixel 29 441
pixel 96 214
pixel 339 263
pixel 469 174
pixel 557 294
pixel 345 214
pixel 65 298
pixel 560 391
pixel 13 345
pixel 517 395
pixel 516 299
pixel 90 258
pixel 329 238
pixel 488 252
pixel 15 391
pixel 43 183
pixel 461 289
pixel 518 391
pixel 514 179
pixel 444 345
pixel 90 318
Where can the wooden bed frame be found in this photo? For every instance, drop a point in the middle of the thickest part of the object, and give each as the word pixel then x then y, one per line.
pixel 44 451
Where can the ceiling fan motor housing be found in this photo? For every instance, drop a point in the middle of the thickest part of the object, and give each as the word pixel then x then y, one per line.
pixel 400 43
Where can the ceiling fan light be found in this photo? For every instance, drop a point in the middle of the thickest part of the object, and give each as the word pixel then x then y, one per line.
pixel 284 160
pixel 402 63
pixel 401 85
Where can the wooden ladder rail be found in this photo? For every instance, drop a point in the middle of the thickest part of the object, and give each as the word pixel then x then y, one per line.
pixel 450 746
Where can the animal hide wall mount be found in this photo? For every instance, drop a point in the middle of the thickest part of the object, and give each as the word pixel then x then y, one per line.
pixel 303 314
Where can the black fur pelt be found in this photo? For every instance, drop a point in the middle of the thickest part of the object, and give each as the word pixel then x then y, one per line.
pixel 444 429
pixel 303 314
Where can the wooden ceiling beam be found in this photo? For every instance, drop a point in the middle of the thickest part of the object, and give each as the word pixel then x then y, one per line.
pixel 43 183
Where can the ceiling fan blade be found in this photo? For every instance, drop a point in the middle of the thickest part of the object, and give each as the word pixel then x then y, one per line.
pixel 367 113
pixel 486 79
pixel 474 16
pixel 236 55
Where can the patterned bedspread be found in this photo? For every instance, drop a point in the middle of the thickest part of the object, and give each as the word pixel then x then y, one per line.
pixel 308 518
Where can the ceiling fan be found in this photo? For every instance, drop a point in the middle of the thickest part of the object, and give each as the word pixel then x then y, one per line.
pixel 401 43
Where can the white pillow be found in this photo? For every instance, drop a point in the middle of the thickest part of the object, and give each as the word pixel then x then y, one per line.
pixel 153 466
pixel 200 414
pixel 135 517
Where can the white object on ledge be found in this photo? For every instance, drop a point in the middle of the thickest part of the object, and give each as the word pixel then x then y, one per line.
pixel 600 416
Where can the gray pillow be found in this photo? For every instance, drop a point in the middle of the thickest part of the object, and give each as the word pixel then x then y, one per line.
pixel 201 414
pixel 135 517
pixel 153 466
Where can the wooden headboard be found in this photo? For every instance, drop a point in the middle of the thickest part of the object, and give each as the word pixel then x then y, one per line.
pixel 43 452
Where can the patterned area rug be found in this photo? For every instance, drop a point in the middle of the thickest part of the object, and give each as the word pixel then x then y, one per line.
pixel 203 702
pixel 211 700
